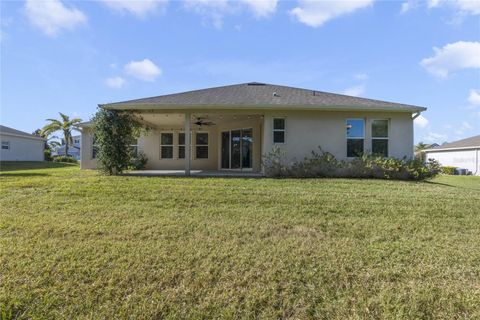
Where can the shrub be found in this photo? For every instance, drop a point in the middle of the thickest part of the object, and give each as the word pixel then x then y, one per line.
pixel 323 164
pixel 47 155
pixel 139 162
pixel 64 159
pixel 113 134
pixel 448 170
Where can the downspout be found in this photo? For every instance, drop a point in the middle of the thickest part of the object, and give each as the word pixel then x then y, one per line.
pixel 415 115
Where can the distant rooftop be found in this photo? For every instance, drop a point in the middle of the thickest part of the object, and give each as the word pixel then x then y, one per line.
pixel 256 95
pixel 472 142
pixel 10 131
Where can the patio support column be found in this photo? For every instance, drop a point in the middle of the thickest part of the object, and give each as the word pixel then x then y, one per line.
pixel 188 144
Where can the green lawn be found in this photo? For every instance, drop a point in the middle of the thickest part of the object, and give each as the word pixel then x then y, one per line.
pixel 75 244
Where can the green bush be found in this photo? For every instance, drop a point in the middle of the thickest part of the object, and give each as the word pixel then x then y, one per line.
pixel 64 159
pixel 139 161
pixel 448 170
pixel 47 155
pixel 323 164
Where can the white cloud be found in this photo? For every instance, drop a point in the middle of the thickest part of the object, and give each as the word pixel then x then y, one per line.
pixel 115 82
pixel 144 70
pixel 421 121
pixel 355 91
pixel 474 97
pixel 51 16
pixel 315 13
pixel 452 57
pixel 138 8
pixel 463 128
pixel 462 6
pixel 261 8
pixel 212 11
pixel 406 6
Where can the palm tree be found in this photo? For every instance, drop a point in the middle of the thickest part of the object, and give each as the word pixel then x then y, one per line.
pixel 418 150
pixel 65 125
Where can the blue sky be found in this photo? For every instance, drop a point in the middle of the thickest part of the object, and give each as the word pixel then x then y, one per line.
pixel 69 56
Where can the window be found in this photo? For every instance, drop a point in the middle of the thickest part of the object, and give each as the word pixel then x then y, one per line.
pixel 201 145
pixel 94 149
pixel 355 137
pixel 278 130
pixel 380 138
pixel 134 147
pixel 166 146
pixel 181 145
pixel 5 145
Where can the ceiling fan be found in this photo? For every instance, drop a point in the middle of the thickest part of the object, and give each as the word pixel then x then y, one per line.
pixel 203 122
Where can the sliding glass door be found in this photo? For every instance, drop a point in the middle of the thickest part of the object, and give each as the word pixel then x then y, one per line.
pixel 237 149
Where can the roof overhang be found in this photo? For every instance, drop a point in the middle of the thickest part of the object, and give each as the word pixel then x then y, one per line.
pixel 203 107
pixel 22 136
pixel 451 149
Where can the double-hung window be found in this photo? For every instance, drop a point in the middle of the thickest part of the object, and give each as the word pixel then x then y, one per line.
pixel 201 145
pixel 181 145
pixel 94 148
pixel 278 130
pixel 355 137
pixel 5 145
pixel 380 138
pixel 166 145
pixel 134 147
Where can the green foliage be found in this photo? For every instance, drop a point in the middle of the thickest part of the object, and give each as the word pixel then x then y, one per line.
pixel 139 161
pixel 323 164
pixel 47 155
pixel 113 133
pixel 65 125
pixel 67 159
pixel 448 170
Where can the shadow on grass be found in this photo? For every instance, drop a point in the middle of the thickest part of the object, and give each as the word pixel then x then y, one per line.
pixel 452 185
pixel 31 165
pixel 23 174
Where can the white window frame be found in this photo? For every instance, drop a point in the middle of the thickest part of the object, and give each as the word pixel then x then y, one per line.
pixel 94 156
pixel 167 145
pixel 284 130
pixel 381 138
pixel 202 145
pixel 352 138
pixel 135 146
pixel 7 144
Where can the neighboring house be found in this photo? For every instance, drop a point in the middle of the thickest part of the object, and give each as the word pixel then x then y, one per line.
pixel 232 127
pixel 73 149
pixel 463 154
pixel 20 146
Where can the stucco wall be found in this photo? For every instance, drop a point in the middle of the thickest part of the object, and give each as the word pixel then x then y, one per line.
pixel 22 149
pixel 307 130
pixel 86 150
pixel 465 159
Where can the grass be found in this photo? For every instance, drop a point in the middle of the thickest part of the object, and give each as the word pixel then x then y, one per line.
pixel 74 244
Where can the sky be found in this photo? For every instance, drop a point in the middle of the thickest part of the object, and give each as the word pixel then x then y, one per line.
pixel 69 56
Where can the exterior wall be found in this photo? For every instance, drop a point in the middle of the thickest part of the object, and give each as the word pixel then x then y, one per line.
pixel 464 159
pixel 150 145
pixel 86 150
pixel 307 130
pixel 22 149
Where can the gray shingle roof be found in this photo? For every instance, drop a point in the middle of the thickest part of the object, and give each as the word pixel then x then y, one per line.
pixel 254 95
pixel 460 144
pixel 8 130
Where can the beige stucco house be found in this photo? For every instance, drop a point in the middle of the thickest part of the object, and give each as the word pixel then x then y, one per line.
pixel 232 127
pixel 17 145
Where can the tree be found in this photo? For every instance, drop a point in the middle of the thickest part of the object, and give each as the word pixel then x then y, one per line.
pixel 65 125
pixel 113 133
pixel 419 147
pixel 50 144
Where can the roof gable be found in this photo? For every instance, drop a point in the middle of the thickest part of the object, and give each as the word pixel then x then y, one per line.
pixel 10 131
pixel 467 143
